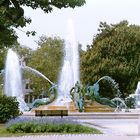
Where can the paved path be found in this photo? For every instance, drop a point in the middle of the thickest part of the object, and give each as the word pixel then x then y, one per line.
pixel 73 137
pixel 118 127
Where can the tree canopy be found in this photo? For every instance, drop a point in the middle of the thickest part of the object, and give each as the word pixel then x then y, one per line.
pixel 46 59
pixel 115 52
pixel 12 15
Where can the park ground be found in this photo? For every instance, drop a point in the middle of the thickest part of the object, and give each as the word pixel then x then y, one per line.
pixel 113 129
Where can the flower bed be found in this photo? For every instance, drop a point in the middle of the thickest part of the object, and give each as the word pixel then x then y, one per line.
pixel 47 125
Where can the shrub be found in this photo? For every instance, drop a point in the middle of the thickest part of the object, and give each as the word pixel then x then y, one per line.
pixel 8 108
pixel 130 101
pixel 53 125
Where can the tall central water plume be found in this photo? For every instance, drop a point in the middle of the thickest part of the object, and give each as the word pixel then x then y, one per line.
pixel 13 79
pixel 70 70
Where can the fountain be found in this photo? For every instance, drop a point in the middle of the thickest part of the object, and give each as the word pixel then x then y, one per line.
pixel 68 77
pixel 70 70
pixel 134 99
pixel 81 94
pixel 137 96
pixel 13 79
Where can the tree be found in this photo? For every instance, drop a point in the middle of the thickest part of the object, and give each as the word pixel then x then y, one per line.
pixel 115 52
pixel 12 15
pixel 24 52
pixel 2 58
pixel 47 60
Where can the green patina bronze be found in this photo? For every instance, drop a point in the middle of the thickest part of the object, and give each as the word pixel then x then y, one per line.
pixel 44 101
pixel 93 92
pixel 79 93
pixel 78 96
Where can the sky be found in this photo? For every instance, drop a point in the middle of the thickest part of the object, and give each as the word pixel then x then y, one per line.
pixel 86 20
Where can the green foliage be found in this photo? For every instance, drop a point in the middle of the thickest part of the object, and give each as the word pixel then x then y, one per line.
pixel 47 60
pixel 8 108
pixel 12 15
pixel 52 128
pixel 115 52
pixel 23 52
pixel 130 101
pixel 2 57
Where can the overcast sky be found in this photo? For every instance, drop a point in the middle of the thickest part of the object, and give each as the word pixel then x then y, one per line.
pixel 86 19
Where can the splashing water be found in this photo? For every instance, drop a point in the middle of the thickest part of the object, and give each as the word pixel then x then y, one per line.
pixel 13 79
pixel 70 70
pixel 114 85
pixel 38 73
pixel 137 96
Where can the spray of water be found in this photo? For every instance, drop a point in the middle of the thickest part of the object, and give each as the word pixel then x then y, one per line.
pixel 38 73
pixel 70 70
pixel 68 77
pixel 137 96
pixel 13 79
